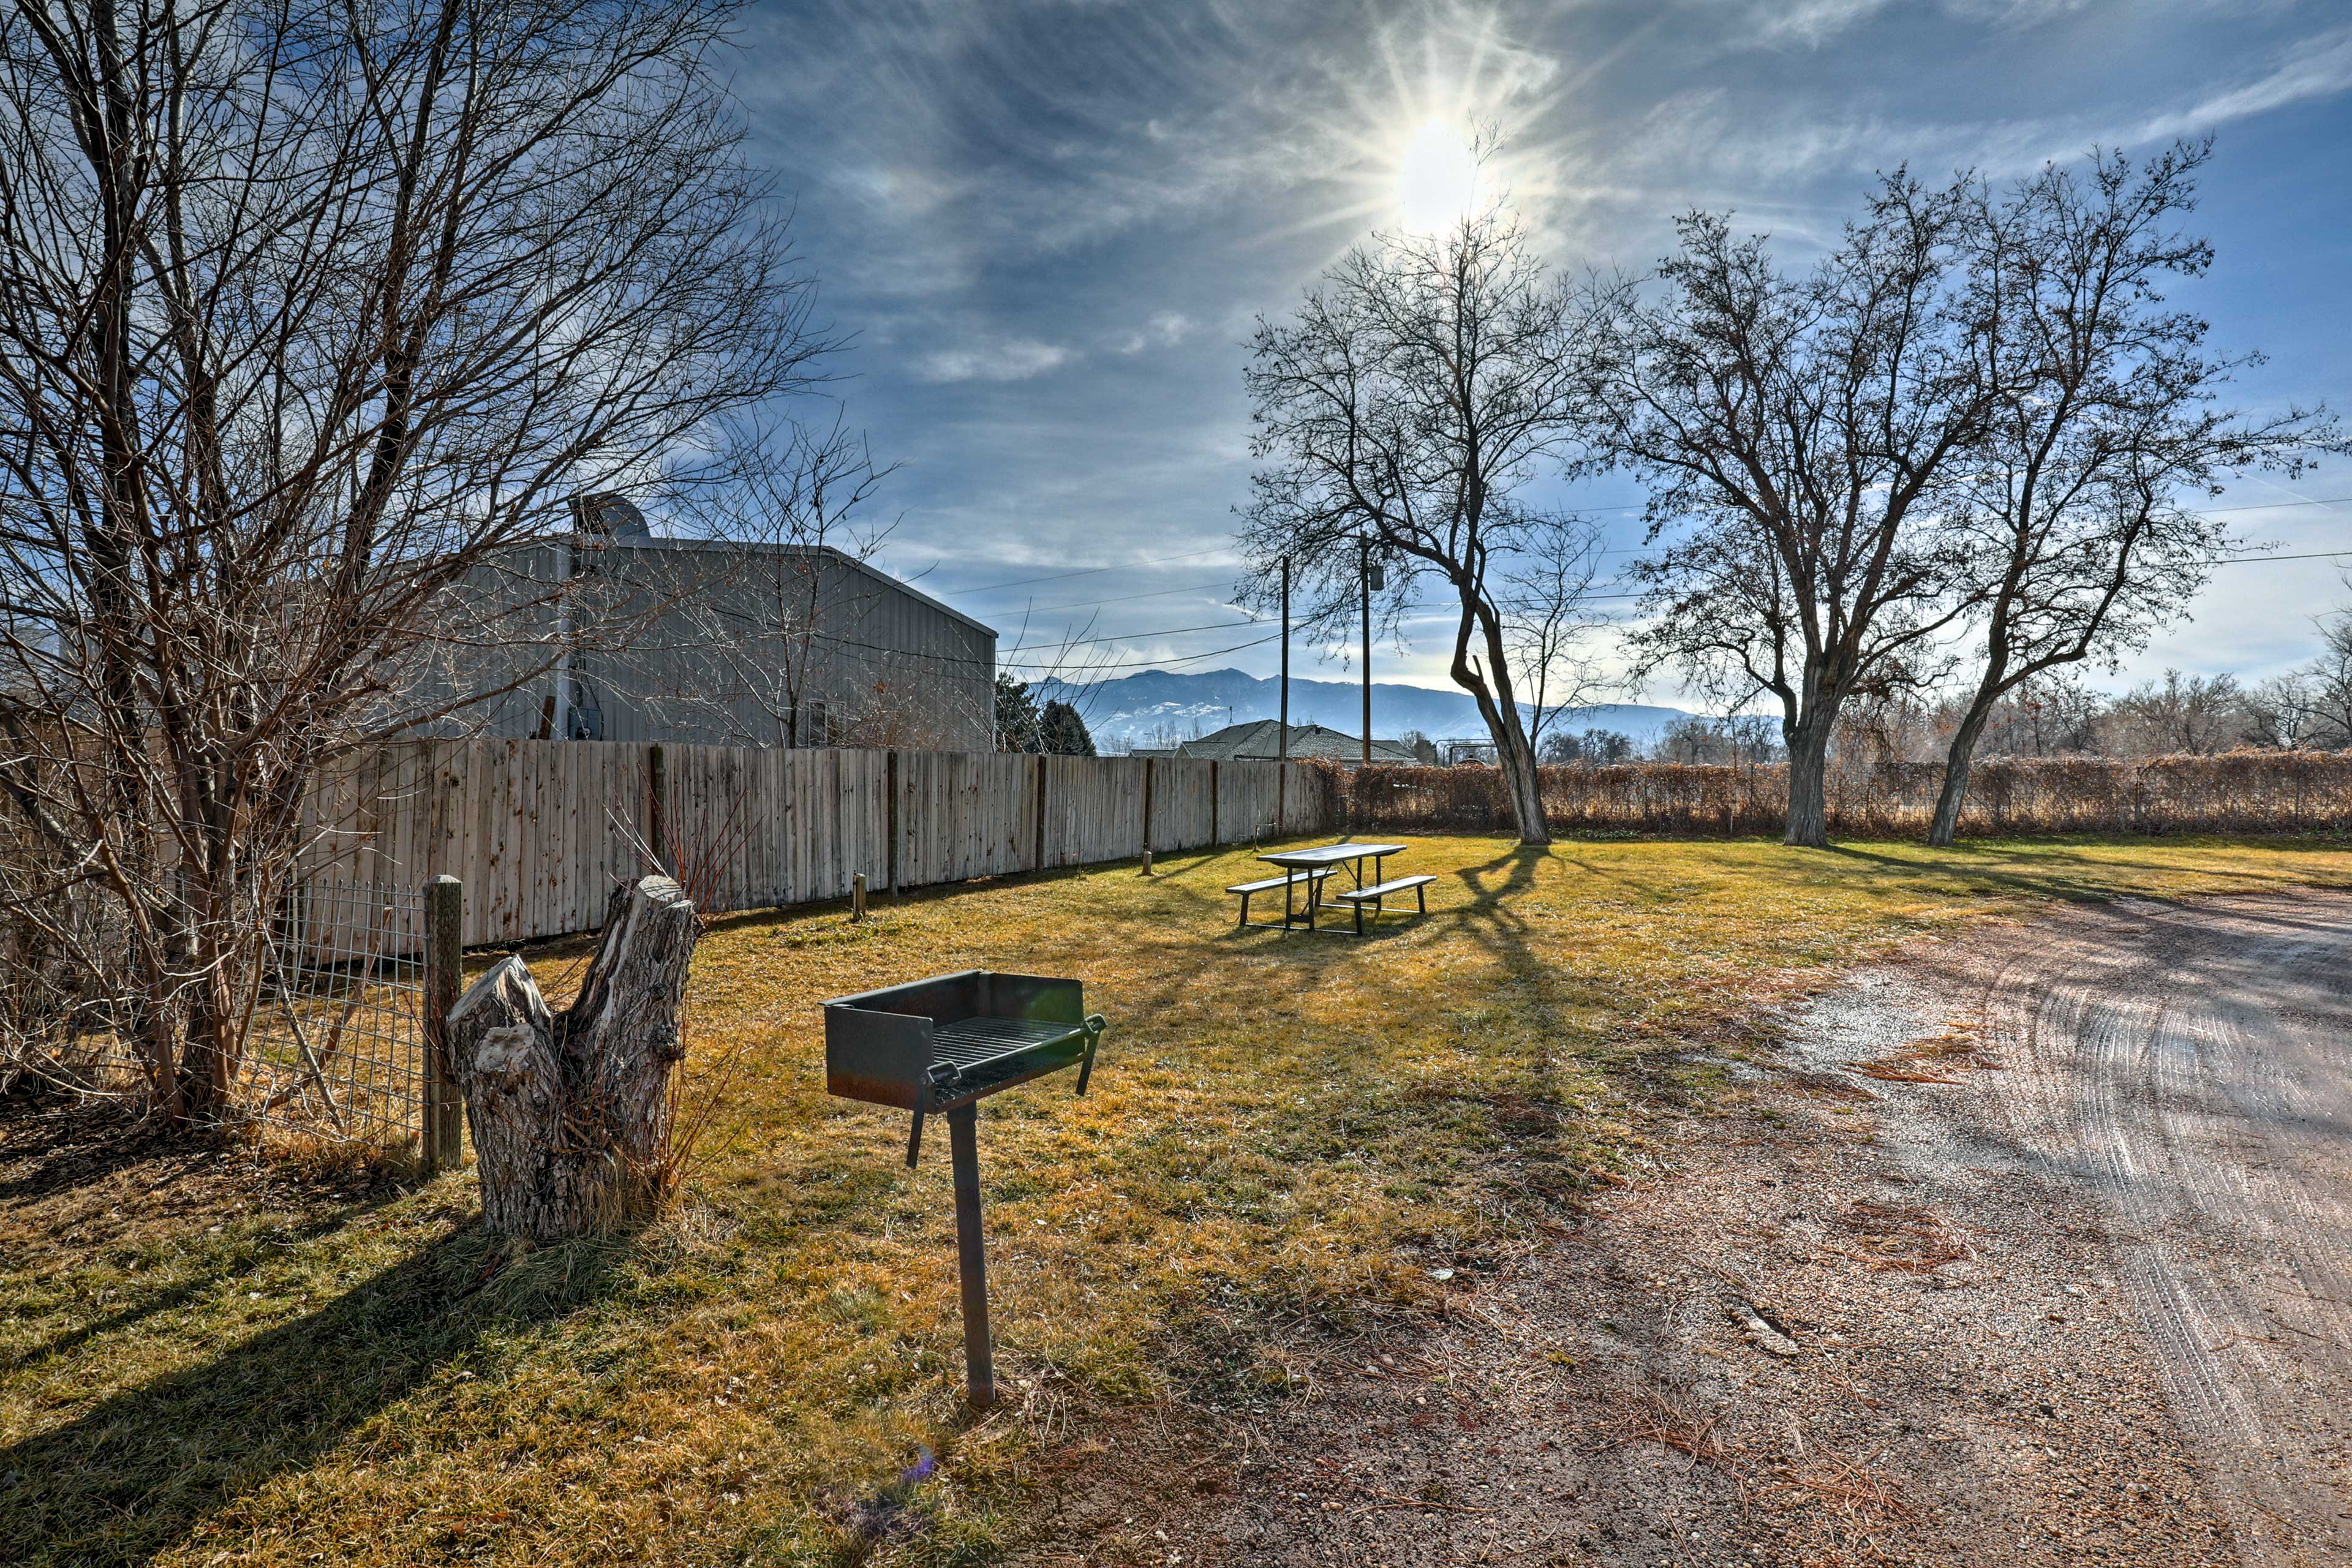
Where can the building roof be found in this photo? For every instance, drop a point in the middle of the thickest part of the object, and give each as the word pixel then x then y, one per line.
pixel 826 551
pixel 1260 739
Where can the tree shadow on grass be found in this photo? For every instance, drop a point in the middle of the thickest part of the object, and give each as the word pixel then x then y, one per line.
pixel 137 1473
pixel 2044 871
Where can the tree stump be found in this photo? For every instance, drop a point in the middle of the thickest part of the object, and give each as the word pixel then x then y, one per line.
pixel 570 1112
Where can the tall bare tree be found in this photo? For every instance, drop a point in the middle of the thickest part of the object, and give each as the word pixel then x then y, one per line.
pixel 311 314
pixel 1426 379
pixel 780 619
pixel 1791 429
pixel 2073 537
pixel 1548 611
pixel 2327 680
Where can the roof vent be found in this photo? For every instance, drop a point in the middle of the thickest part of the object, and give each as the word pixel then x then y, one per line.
pixel 611 516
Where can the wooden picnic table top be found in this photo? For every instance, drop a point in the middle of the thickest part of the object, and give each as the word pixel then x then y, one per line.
pixel 1330 854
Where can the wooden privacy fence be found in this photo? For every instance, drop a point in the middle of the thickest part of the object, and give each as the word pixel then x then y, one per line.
pixel 2237 792
pixel 542 831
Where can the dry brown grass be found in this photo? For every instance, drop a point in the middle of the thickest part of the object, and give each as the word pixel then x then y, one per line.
pixel 1284 1134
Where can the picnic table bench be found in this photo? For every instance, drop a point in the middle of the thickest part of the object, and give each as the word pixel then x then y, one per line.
pixel 1287 882
pixel 1310 868
pixel 1358 897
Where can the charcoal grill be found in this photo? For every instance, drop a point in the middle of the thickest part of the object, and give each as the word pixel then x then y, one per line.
pixel 940 1047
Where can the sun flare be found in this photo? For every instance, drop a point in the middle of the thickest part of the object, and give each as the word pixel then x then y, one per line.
pixel 1437 178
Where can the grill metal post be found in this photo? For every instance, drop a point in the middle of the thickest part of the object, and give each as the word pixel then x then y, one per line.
pixel 971 1262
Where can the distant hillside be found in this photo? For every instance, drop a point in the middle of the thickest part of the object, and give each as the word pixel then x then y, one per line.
pixel 1157 709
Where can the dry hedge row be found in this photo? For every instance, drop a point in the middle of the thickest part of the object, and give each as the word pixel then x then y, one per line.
pixel 2239 792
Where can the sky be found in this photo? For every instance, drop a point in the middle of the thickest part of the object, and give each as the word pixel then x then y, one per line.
pixel 1049 226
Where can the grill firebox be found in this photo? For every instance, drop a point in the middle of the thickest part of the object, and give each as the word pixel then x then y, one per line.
pixel 943 1045
pixel 933 1044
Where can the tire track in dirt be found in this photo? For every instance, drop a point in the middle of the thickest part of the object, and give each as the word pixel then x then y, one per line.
pixel 2191 1066
pixel 2085 1309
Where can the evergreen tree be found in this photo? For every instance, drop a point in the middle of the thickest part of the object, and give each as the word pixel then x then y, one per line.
pixel 1018 726
pixel 1063 733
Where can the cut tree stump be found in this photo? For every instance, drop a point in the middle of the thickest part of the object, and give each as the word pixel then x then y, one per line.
pixel 570 1111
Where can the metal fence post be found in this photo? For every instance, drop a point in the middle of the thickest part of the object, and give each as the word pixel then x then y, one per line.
pixel 444 918
pixel 978 1357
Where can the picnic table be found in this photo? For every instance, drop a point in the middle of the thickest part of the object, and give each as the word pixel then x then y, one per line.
pixel 1312 867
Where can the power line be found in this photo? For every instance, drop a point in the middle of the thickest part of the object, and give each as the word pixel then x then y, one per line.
pixel 1137 637
pixel 2250 560
pixel 1093 571
pixel 1124 598
pixel 1140 663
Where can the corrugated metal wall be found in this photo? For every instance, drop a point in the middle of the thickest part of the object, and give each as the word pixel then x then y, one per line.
pixel 709 642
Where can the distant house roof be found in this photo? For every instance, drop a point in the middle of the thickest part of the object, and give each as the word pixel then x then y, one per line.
pixel 1261 740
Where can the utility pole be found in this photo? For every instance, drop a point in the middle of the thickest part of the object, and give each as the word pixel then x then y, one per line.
pixel 1282 725
pixel 1364 575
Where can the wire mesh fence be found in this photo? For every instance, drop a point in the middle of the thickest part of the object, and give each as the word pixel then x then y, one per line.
pixel 334 1044
pixel 337 1046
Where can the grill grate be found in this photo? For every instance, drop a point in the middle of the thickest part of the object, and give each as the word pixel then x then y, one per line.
pixel 970 1043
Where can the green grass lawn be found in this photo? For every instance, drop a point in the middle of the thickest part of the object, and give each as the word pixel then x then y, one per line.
pixel 1284 1134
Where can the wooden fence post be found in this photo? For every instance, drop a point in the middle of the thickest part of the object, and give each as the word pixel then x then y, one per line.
pixel 1038 860
pixel 890 815
pixel 658 806
pixel 1147 816
pixel 857 898
pixel 1214 839
pixel 444 921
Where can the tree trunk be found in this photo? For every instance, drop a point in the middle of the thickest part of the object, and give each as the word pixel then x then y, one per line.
pixel 1515 755
pixel 1946 825
pixel 1809 815
pixel 1524 785
pixel 571 1113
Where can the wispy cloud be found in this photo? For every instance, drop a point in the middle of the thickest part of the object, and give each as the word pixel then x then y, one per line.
pixel 2310 68
pixel 1050 221
pixel 1007 359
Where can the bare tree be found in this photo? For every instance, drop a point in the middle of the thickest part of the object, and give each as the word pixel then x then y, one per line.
pixel 1393 415
pixel 781 615
pixel 2072 537
pixel 2327 680
pixel 310 315
pixel 1548 618
pixel 2181 715
pixel 2285 713
pixel 1737 739
pixel 2044 716
pixel 1790 430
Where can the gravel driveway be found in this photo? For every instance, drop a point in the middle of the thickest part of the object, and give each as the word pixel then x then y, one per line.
pixel 2190 1066
pixel 2061 1274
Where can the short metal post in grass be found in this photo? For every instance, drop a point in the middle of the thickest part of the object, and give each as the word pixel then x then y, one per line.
pixel 972 1256
pixel 857 898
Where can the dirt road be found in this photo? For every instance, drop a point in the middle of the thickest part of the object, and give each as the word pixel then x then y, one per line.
pixel 2064 1274
pixel 2190 1066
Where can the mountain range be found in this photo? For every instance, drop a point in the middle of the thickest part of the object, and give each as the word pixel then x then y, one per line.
pixel 1156 708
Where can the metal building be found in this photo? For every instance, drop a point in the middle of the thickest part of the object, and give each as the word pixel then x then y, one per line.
pixel 621 635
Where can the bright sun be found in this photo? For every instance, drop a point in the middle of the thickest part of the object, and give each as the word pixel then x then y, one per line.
pixel 1437 179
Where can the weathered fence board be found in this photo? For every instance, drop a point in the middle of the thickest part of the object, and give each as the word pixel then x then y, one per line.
pixel 541 830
